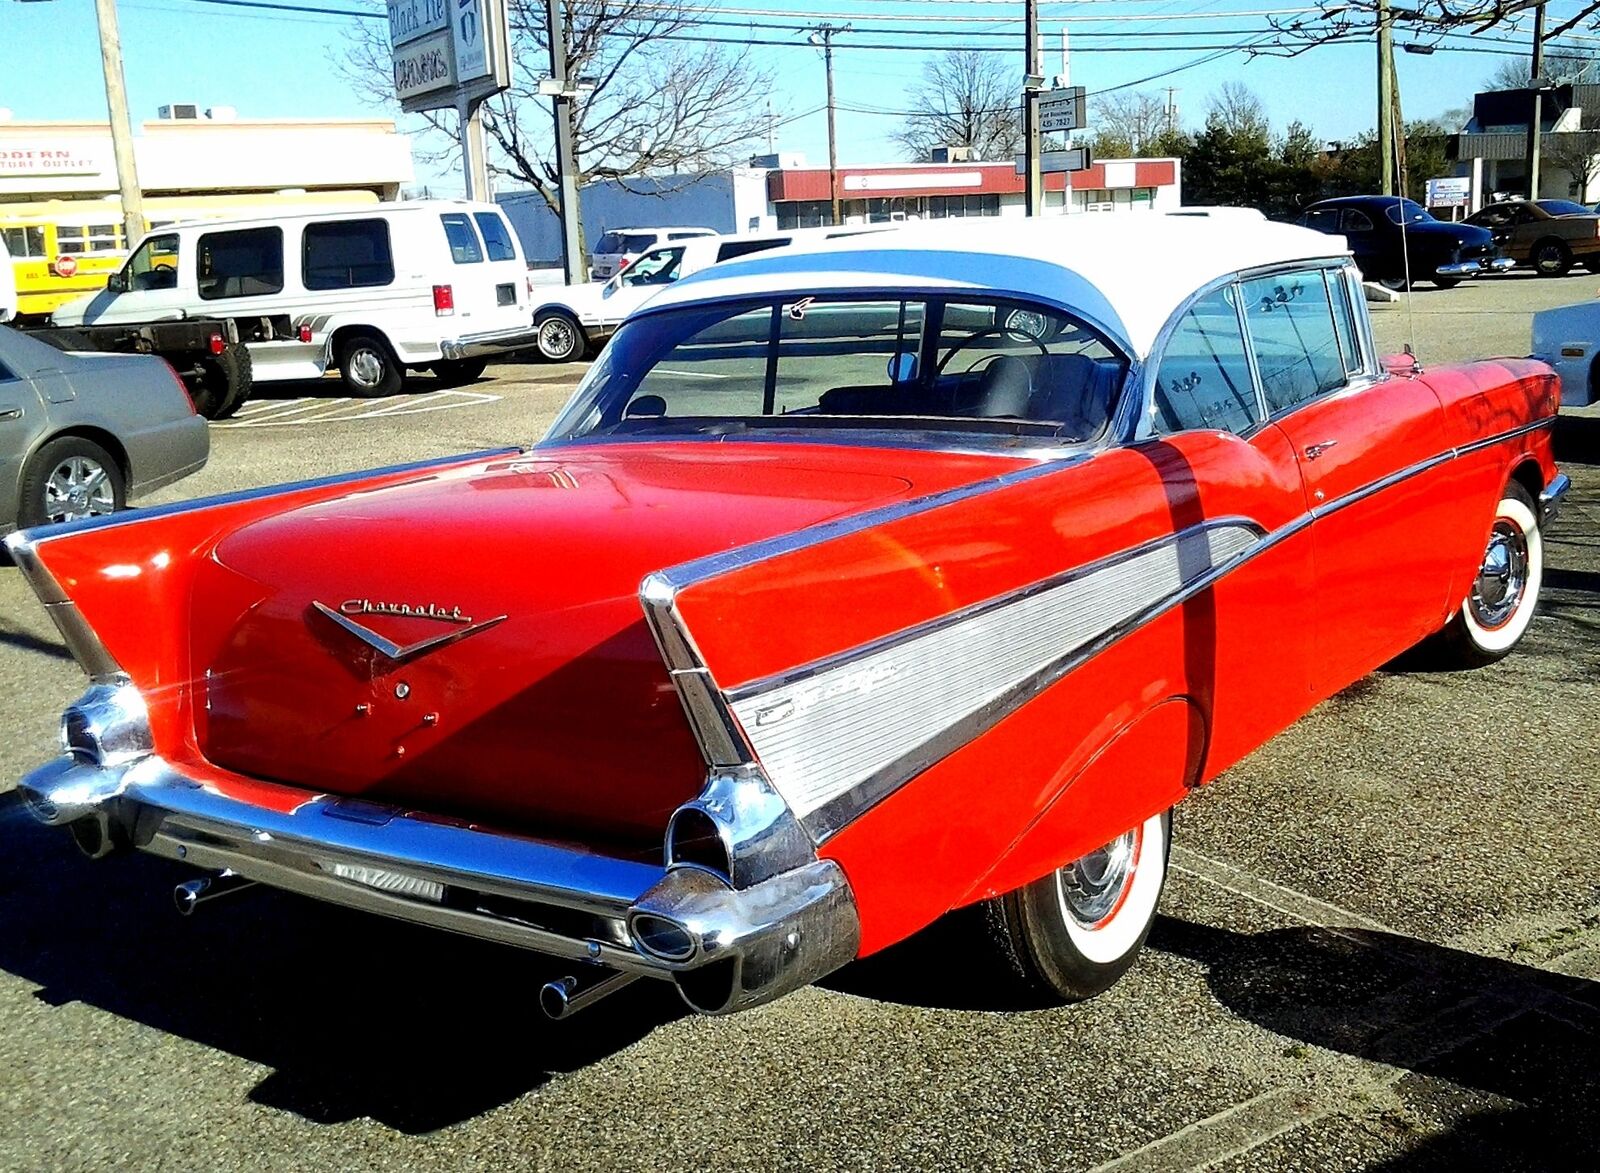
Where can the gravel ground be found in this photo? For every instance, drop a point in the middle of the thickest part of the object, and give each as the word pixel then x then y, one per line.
pixel 1380 946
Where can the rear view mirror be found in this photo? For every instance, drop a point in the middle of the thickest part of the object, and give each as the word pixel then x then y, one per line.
pixel 117 282
pixel 902 368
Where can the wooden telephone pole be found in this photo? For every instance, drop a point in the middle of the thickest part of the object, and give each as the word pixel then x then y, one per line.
pixel 121 128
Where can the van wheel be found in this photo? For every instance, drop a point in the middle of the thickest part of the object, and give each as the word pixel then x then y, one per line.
pixel 368 367
pixel 454 372
pixel 559 336
pixel 224 383
pixel 68 479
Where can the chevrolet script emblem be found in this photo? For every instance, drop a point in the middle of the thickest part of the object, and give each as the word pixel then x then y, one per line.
pixel 387 648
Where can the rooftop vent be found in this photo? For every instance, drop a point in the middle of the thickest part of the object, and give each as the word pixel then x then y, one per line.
pixel 178 110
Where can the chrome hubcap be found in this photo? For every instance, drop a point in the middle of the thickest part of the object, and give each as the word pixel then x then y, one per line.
pixel 555 336
pixel 1092 887
pixel 366 368
pixel 78 487
pixel 1502 578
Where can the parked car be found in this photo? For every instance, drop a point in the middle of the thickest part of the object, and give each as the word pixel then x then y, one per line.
pixel 1397 242
pixel 1546 235
pixel 969 551
pixel 619 248
pixel 82 434
pixel 372 291
pixel 571 320
pixel 1568 338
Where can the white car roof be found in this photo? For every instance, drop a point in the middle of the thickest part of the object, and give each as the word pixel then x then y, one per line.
pixel 1127 274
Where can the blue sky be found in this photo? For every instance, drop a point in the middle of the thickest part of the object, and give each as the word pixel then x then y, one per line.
pixel 277 64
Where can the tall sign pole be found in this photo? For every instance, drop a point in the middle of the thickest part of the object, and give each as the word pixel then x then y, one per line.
pixel 1032 138
pixel 121 128
pixel 1536 119
pixel 1385 98
pixel 563 92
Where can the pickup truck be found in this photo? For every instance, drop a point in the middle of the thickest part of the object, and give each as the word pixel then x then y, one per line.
pixel 572 320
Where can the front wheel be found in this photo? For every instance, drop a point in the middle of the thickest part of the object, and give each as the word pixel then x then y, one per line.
pixel 1073 933
pixel 1499 606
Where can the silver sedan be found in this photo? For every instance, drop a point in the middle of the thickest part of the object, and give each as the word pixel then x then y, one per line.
pixel 82 434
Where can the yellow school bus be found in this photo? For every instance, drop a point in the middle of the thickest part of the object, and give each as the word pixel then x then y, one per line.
pixel 62 249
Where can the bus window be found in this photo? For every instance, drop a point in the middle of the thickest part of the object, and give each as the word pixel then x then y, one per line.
pixel 154 265
pixel 25 242
pixel 94 238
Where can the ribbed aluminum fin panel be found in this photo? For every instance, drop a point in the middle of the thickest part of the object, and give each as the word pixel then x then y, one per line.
pixel 819 736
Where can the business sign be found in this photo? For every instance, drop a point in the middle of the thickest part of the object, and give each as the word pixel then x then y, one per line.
pixel 897 181
pixel 1061 110
pixel 447 52
pixel 1451 192
pixel 412 19
pixel 1077 159
pixel 53 157
pixel 424 66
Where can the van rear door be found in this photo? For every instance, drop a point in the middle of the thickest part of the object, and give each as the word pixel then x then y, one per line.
pixel 487 279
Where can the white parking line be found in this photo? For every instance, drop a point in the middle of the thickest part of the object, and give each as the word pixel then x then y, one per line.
pixel 294 412
pixel 690 374
pixel 259 406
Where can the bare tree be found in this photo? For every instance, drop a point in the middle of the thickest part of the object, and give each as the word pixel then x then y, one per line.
pixel 1235 109
pixel 1129 123
pixel 1562 66
pixel 965 99
pixel 1574 152
pixel 658 106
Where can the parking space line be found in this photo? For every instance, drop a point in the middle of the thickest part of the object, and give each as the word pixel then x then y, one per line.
pixel 346 410
pixel 690 374
pixel 258 406
pixel 304 405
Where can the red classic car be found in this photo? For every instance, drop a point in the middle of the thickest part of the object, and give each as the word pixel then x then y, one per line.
pixel 917 570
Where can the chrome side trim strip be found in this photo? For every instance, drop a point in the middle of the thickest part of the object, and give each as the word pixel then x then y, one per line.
pixel 722 742
pixel 686 574
pixel 1490 442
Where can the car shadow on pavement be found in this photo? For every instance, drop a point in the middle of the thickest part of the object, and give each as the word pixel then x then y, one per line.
pixel 357 1016
pixel 1577 439
pixel 1498 1062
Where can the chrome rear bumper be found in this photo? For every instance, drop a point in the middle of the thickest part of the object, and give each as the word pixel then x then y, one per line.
pixel 489 342
pixel 1551 496
pixel 725 948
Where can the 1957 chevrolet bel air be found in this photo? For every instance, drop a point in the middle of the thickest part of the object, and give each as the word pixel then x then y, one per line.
pixel 852 586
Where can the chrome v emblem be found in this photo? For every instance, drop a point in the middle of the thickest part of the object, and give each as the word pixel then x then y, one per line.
pixel 399 653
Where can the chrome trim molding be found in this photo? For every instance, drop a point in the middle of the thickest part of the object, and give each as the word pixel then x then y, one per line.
pixel 721 741
pixel 1551 496
pixel 842 734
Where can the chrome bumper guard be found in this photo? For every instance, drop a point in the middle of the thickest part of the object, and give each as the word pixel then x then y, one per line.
pixel 489 342
pixel 726 949
pixel 1501 265
pixel 1551 496
pixel 1459 269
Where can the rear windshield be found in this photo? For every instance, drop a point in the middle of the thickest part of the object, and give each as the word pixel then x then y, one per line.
pixel 885 362
pixel 625 242
pixel 464 249
pixel 496 236
pixel 1563 208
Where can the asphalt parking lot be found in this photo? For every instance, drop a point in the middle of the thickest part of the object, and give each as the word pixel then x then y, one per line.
pixel 1380 947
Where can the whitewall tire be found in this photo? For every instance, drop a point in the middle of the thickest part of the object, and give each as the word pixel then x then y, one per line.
pixel 1504 591
pixel 1072 934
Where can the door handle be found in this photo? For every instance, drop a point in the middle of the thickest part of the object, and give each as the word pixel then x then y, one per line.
pixel 1315 450
pixel 10 413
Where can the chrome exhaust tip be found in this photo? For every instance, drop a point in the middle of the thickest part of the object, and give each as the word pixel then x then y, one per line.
pixel 562 998
pixel 190 894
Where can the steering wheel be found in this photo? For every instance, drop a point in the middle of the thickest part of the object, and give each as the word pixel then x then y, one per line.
pixel 989 332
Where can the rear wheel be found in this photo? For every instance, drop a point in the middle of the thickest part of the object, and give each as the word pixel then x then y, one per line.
pixel 368 367
pixel 68 479
pixel 1499 606
pixel 1395 284
pixel 1551 258
pixel 224 382
pixel 1073 933
pixel 559 337
pixel 454 372
pixel 1446 282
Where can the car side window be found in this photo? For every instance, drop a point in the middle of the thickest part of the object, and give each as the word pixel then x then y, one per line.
pixel 1204 379
pixel 1322 219
pixel 659 267
pixel 458 230
pixel 1354 220
pixel 1296 343
pixel 247 262
pixel 347 254
pixel 155 264
pixel 496 236
pixel 1344 322
pixel 6 374
pixel 743 248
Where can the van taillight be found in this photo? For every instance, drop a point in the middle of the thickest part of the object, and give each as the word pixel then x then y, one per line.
pixel 217 344
pixel 623 264
pixel 444 300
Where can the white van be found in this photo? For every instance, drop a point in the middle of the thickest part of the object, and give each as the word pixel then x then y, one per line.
pixel 569 320
pixel 8 286
pixel 616 250
pixel 372 291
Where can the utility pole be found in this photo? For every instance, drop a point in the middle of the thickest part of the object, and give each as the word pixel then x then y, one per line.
pixel 823 38
pixel 1536 119
pixel 1172 110
pixel 121 129
pixel 563 91
pixel 1033 79
pixel 1385 97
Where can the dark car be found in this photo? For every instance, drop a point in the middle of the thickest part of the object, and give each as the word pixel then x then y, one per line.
pixel 1392 237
